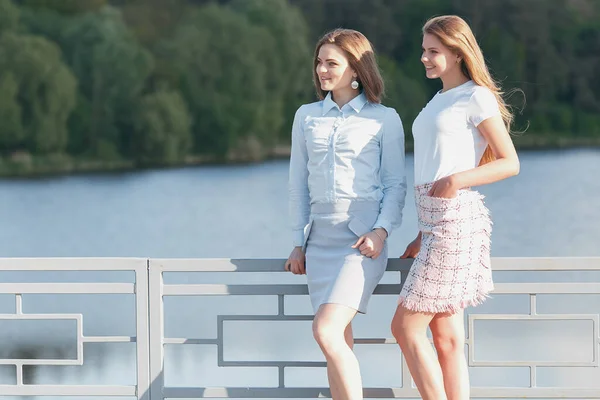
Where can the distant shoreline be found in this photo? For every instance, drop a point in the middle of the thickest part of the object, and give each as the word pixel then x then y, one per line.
pixel 37 167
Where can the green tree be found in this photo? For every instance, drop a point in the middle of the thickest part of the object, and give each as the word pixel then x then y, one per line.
pixel 404 94
pixel 222 69
pixel 585 78
pixel 9 16
pixel 151 20
pixel 46 91
pixel 290 60
pixel 376 19
pixel 163 129
pixel 112 69
pixel 66 6
pixel 11 128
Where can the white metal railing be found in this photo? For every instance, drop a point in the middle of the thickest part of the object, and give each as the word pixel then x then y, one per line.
pixel 150 290
pixel 139 289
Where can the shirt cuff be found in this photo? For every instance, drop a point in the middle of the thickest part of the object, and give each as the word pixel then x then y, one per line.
pixel 383 223
pixel 298 237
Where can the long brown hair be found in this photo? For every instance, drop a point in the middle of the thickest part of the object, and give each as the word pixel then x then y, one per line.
pixel 361 58
pixel 455 34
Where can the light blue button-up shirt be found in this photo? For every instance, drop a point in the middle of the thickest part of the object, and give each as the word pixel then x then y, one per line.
pixel 352 153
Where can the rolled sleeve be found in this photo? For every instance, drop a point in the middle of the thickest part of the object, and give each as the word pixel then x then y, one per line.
pixel 299 198
pixel 392 173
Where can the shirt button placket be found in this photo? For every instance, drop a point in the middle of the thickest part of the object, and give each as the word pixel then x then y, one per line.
pixel 332 141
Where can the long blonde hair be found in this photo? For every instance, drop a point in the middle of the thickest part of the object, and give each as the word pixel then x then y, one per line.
pixel 455 34
pixel 361 58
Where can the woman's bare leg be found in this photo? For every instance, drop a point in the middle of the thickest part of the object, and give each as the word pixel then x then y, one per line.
pixel 333 333
pixel 410 330
pixel 448 332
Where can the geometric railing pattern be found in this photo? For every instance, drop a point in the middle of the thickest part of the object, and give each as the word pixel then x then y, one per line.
pixel 150 290
pixel 139 289
pixel 159 290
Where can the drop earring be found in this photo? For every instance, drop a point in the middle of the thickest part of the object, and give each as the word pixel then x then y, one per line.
pixel 354 84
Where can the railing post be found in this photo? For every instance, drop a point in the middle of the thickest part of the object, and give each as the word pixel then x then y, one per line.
pixel 156 324
pixel 142 332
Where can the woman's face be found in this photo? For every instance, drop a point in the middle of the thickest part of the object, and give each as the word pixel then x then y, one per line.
pixel 333 69
pixel 437 58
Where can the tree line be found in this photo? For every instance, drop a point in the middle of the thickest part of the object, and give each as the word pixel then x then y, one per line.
pixel 154 82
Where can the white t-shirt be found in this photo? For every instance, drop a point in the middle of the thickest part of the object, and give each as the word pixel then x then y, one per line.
pixel 447 140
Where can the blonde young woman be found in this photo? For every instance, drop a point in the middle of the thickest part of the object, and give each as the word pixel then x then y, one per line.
pixel 347 188
pixel 461 140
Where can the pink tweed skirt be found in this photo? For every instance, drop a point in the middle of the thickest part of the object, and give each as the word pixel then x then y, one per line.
pixel 452 270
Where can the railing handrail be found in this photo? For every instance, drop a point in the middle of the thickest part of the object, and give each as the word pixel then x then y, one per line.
pixel 149 290
pixel 265 264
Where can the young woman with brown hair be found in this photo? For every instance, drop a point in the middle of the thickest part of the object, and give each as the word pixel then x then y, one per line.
pixel 347 188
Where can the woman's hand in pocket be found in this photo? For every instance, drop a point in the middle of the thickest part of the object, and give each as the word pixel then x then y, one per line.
pixel 296 262
pixel 445 187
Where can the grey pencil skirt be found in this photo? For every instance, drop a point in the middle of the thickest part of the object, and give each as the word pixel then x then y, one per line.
pixel 337 273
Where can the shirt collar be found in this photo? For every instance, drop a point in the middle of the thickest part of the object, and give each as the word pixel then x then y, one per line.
pixel 328 104
pixel 356 103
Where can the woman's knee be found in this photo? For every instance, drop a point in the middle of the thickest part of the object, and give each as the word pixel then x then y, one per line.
pixel 448 343
pixel 397 329
pixel 328 335
pixel 402 331
pixel 407 331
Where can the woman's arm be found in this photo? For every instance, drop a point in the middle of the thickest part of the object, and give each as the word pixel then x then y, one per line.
pixel 484 113
pixel 393 181
pixel 506 163
pixel 392 174
pixel 299 199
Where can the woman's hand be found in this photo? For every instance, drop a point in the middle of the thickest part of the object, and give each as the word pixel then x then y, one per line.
pixel 371 244
pixel 413 248
pixel 296 262
pixel 445 187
